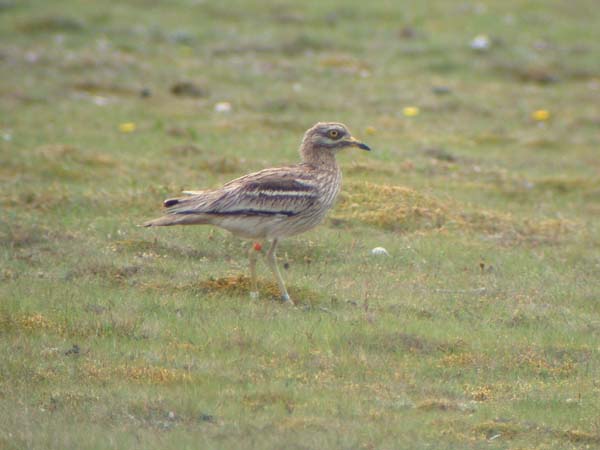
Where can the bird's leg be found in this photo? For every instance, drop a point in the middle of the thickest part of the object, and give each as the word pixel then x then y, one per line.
pixel 272 261
pixel 256 247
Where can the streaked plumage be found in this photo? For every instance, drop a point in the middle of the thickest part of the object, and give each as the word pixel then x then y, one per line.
pixel 273 203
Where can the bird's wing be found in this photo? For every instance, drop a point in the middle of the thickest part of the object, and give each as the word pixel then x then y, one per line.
pixel 279 191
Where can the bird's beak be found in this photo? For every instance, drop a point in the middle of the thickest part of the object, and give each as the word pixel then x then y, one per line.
pixel 356 143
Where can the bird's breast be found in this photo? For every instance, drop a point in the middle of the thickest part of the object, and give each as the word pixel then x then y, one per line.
pixel 331 182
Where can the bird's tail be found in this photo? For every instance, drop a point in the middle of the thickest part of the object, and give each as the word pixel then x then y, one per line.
pixel 189 210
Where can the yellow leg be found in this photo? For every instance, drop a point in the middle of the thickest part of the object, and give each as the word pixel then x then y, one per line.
pixel 252 260
pixel 272 261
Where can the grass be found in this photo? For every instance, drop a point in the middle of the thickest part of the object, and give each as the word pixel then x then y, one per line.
pixel 481 328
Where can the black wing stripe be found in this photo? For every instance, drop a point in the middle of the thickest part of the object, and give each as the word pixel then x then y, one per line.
pixel 242 212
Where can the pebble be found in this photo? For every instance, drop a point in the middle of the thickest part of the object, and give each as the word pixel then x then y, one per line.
pixel 380 251
pixel 480 43
pixel 223 107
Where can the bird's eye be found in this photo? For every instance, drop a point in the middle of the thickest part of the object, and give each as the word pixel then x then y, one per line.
pixel 334 134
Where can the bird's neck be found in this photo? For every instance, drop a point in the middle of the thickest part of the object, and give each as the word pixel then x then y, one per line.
pixel 319 158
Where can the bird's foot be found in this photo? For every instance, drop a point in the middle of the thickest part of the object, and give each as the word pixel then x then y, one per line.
pixel 253 295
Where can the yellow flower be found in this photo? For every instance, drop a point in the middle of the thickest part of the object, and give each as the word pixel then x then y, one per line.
pixel 411 111
pixel 370 130
pixel 540 115
pixel 127 127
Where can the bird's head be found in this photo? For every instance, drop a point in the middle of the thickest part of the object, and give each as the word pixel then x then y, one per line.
pixel 328 138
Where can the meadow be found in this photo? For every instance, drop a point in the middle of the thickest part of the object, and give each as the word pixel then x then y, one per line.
pixel 481 329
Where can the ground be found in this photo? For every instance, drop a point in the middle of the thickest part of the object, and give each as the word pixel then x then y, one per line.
pixel 479 330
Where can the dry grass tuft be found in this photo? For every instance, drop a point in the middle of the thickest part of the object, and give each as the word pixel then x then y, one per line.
pixel 232 285
pixel 481 393
pixel 343 63
pixel 35 322
pixel 239 285
pixel 30 323
pixel 390 207
pixel 140 374
pixel 543 365
pixel 105 88
pixel 458 360
pixel 506 429
pixel 442 404
pixel 581 437
pixel 401 209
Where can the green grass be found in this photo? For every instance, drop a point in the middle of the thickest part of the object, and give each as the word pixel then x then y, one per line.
pixel 481 329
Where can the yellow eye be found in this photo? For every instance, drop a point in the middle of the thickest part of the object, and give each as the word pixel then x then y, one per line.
pixel 334 134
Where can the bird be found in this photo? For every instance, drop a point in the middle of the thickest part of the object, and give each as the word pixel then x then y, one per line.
pixel 273 203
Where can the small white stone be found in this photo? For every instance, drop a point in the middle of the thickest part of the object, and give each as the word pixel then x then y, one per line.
pixel 480 42
pixel 223 107
pixel 253 295
pixel 171 415
pixel 379 251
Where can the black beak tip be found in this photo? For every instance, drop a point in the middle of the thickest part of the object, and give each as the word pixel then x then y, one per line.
pixel 364 147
